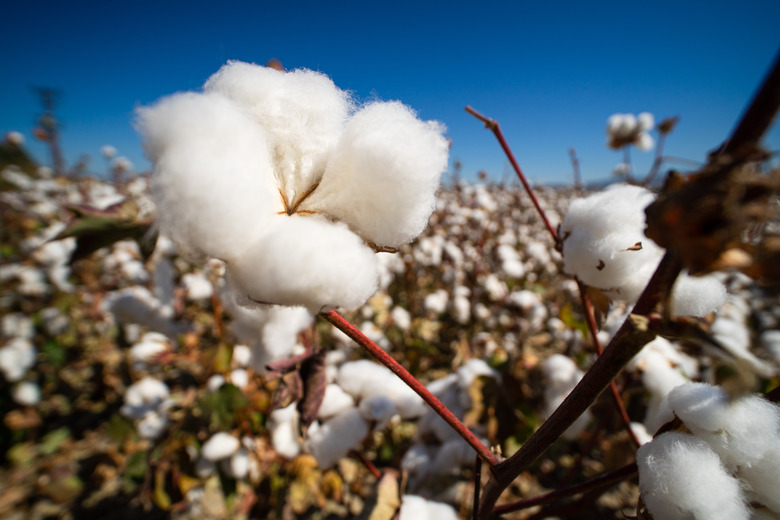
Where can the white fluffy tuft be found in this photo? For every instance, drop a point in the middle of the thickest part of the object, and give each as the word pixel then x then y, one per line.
pixel 383 174
pixel 680 477
pixel 213 176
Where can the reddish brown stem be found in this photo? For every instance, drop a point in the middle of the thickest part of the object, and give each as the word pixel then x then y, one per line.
pixel 593 328
pixel 477 486
pixel 383 357
pixel 602 481
pixel 367 463
pixel 493 126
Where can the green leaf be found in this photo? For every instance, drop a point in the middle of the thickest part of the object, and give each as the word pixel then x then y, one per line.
pixel 136 466
pixel 221 406
pixel 52 441
pixel 119 428
pixel 54 352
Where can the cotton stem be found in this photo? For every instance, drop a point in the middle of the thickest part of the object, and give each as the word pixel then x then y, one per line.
pixel 383 357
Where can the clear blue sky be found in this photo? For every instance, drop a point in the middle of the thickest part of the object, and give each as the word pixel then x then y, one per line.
pixel 550 72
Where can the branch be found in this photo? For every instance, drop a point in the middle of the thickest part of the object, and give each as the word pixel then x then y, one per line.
pixel 493 126
pixel 628 341
pixel 602 481
pixel 383 357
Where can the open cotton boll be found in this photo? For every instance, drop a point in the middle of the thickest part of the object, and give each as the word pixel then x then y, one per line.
pixel 26 393
pixel 335 437
pixel 151 345
pixel 680 477
pixel 307 261
pixel 237 465
pixel 734 337
pixel 383 173
pixel 335 401
pixel 220 446
pixel 364 379
pixel 377 410
pixel 16 358
pixel 762 479
pixel 283 428
pixel 302 110
pixel 415 507
pixel 741 430
pixel 562 376
pixel 697 296
pixel 213 176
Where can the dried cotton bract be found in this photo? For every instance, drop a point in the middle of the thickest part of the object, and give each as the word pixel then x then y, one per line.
pixel 281 176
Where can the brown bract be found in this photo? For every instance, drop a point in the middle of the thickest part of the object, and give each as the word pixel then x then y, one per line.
pixel 717 218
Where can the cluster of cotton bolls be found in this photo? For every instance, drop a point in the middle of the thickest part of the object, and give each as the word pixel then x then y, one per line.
pixel 626 129
pixel 728 465
pixel 284 178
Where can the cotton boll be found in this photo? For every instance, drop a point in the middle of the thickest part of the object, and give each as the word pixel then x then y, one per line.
pixel 641 433
pixel 145 396
pixel 382 176
pixel 18 325
pixel 417 461
pixel 197 285
pixel 452 456
pixel 762 479
pixel 436 302
pixel 740 431
pixel 734 337
pixel 364 379
pixel 646 121
pixel 237 465
pixel 16 358
pixel 283 427
pixel 213 177
pixel 562 376
pixel 334 438
pixel 307 261
pixel 220 446
pixel 215 382
pixel 496 289
pixel 697 296
pixel 377 410
pixel 418 508
pixel 336 400
pixel 645 142
pixel 401 318
pixel 302 111
pixel 152 425
pixel 239 377
pixel 26 393
pixel 242 355
pixel 144 352
pixel 680 477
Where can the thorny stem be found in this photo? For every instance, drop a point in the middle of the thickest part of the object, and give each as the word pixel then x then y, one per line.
pixel 628 341
pixel 493 126
pixel 602 481
pixel 383 357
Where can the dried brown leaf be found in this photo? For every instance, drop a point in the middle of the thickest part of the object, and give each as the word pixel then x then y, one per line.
pixel 314 383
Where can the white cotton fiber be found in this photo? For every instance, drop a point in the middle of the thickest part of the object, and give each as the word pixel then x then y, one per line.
pixel 335 437
pixel 740 431
pixel 16 358
pixel 697 296
pixel 364 379
pixel 377 410
pixel 680 477
pixel 302 110
pixel 213 177
pixel 220 446
pixel 605 246
pixel 415 507
pixel 283 427
pixel 383 174
pixel 307 261
pixel 336 400
pixel 562 375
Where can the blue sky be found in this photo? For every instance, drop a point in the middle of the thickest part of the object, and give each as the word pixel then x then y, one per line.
pixel 550 72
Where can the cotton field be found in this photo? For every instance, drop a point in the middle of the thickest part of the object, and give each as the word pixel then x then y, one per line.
pixel 136 377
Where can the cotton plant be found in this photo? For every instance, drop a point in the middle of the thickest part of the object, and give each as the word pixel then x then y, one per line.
pixel 630 129
pixel 146 403
pixel 286 179
pixel 604 245
pixel 725 467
